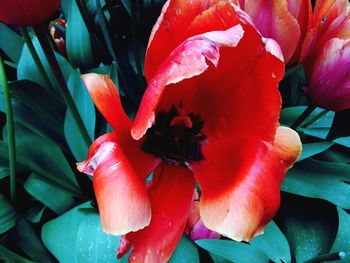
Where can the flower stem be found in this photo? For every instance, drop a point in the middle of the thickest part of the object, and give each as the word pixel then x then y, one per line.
pixel 312 120
pixel 327 257
pixel 62 83
pixel 10 131
pixel 35 57
pixel 303 116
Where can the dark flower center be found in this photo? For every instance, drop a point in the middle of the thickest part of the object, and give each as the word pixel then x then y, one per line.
pixel 175 137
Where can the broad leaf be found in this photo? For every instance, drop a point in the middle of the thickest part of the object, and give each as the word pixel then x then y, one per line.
pixel 42 190
pixel 86 109
pixel 7 255
pixel 342 240
pixel 186 251
pixel 273 243
pixel 233 251
pixel 316 179
pixel 13 50
pixel 7 215
pixel 311 149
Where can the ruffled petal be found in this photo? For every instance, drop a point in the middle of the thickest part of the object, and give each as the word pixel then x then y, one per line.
pixel 106 98
pixel 119 184
pixel 170 30
pixel 240 186
pixel 273 20
pixel 170 193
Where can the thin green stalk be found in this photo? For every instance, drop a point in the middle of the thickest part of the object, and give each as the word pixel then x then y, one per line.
pixel 312 120
pixel 303 116
pixel 327 257
pixel 62 83
pixel 35 57
pixel 10 131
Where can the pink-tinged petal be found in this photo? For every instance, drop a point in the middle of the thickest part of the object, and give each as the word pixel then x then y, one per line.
pixel 329 86
pixel 186 61
pixel 106 98
pixel 119 186
pixel 240 195
pixel 273 20
pixel 170 193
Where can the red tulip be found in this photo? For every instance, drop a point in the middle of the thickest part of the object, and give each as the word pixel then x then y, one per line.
pixel 326 56
pixel 286 21
pixel 27 12
pixel 58 36
pixel 209 114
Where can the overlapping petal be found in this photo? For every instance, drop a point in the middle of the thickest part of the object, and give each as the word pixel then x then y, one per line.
pixel 121 194
pixel 170 194
pixel 240 187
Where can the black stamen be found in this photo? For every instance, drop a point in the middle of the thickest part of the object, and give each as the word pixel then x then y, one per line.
pixel 175 144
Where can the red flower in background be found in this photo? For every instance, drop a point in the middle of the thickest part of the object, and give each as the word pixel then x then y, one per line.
pixel 209 114
pixel 286 21
pixel 27 12
pixel 58 35
pixel 326 55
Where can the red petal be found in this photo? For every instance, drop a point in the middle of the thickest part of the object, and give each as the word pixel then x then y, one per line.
pixel 119 182
pixel 106 98
pixel 170 193
pixel 27 12
pixel 274 20
pixel 240 180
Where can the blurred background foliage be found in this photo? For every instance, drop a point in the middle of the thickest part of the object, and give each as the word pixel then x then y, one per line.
pixel 54 217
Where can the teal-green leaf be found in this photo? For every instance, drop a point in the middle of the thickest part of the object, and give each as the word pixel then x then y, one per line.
pixel 35 213
pixel 42 190
pixel 186 251
pixel 342 240
pixel 25 237
pixel 10 43
pixel 7 255
pixel 311 149
pixel 78 42
pixel 309 226
pixel 27 69
pixel 233 251
pixel 86 109
pixel 344 141
pixel 316 179
pixel 81 239
pixel 8 215
pixel 4 172
pixel 273 243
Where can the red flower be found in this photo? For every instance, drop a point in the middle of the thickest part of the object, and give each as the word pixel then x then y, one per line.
pixel 27 12
pixel 286 21
pixel 58 35
pixel 210 114
pixel 326 55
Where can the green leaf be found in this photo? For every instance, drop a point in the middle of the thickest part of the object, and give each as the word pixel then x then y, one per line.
pixel 42 190
pixel 25 238
pixel 342 240
pixel 345 141
pixel 311 149
pixel 81 239
pixel 13 50
pixel 86 109
pixel 317 179
pixel 35 213
pixel 273 243
pixel 7 255
pixel 185 251
pixel 4 172
pixel 7 215
pixel 309 226
pixel 27 69
pixel 233 251
pixel 78 43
